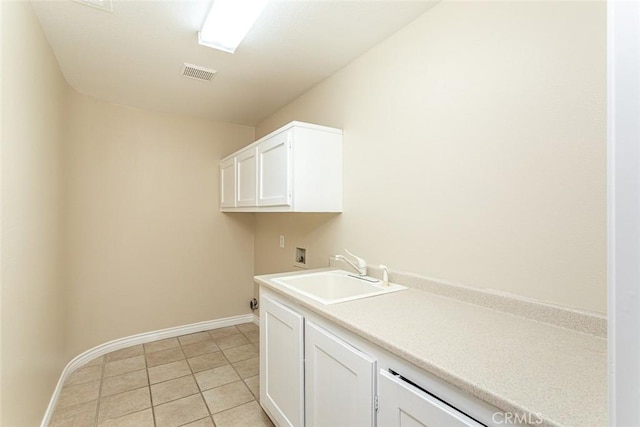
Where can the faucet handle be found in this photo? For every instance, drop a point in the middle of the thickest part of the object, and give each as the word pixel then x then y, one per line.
pixel 361 263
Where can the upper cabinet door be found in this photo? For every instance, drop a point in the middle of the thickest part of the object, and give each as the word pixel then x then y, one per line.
pixel 274 171
pixel 228 183
pixel 246 178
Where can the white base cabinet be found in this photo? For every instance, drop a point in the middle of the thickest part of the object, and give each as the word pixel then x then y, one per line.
pixel 314 373
pixel 403 404
pixel 339 381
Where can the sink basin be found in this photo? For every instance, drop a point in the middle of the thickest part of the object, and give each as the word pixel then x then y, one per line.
pixel 332 287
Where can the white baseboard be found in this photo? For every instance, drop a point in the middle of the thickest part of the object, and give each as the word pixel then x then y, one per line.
pixel 143 338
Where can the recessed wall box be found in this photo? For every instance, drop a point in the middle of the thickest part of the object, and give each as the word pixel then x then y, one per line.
pixel 301 258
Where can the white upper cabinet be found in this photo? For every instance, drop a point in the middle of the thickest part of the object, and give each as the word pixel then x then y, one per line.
pixel 297 168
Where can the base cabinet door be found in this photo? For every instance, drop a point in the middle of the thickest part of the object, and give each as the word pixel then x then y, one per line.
pixel 281 363
pixel 403 404
pixel 339 381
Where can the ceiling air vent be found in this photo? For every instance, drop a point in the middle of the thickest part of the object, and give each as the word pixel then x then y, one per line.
pixel 197 73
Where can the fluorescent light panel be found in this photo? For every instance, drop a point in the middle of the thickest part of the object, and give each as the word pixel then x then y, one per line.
pixel 98 4
pixel 228 22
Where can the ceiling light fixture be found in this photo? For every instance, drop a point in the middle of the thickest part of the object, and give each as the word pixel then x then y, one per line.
pixel 105 5
pixel 228 22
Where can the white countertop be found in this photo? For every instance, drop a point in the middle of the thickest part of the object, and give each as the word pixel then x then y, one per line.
pixel 513 363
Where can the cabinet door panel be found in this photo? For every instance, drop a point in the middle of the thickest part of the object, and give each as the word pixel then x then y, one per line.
pixel 274 170
pixel 339 381
pixel 403 405
pixel 247 184
pixel 281 363
pixel 228 183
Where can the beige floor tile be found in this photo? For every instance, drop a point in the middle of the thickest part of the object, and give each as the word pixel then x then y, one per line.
pixel 168 371
pixel 181 411
pixel 216 377
pixel 227 396
pixel 191 338
pixel 161 345
pixel 126 398
pixel 122 404
pixel 124 382
pixel 123 366
pixel 173 389
pixel 254 386
pixel 253 336
pixel 125 353
pixel 207 361
pixel 232 341
pixel 247 327
pixel 81 393
pixel 93 362
pixel 247 368
pixel 84 375
pixel 223 332
pixel 81 415
pixel 249 414
pixel 137 419
pixel 205 422
pixel 243 352
pixel 200 348
pixel 164 356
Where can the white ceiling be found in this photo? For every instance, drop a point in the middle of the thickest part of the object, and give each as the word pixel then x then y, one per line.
pixel 134 55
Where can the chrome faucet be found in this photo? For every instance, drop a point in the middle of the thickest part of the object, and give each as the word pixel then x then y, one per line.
pixel 361 268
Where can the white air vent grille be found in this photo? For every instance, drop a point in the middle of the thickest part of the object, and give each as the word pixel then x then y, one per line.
pixel 197 73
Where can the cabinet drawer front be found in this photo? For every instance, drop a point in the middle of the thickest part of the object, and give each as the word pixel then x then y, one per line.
pixel 274 171
pixel 339 381
pixel 281 363
pixel 404 405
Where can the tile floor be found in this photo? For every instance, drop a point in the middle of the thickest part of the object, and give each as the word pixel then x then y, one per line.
pixel 204 379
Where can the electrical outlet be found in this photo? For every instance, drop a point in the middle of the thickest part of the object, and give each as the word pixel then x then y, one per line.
pixel 282 241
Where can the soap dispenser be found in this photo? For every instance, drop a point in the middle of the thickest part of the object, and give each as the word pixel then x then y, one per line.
pixel 385 275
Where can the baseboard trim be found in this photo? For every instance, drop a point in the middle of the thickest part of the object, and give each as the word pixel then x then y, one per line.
pixel 142 338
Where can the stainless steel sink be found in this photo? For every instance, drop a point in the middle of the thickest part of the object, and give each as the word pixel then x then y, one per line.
pixel 334 286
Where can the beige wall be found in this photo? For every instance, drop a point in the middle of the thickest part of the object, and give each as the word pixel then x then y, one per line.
pixel 474 151
pixel 146 245
pixel 110 222
pixel 32 300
